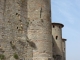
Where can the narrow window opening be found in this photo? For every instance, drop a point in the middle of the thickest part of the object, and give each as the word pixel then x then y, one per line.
pixel 17 27
pixel 59 27
pixel 40 12
pixel 53 26
pixel 56 37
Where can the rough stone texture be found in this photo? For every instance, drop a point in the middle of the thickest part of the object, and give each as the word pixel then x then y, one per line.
pixel 13 32
pixel 12 58
pixel 25 29
pixel 39 31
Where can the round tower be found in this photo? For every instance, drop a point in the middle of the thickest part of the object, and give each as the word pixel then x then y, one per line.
pixel 39 30
pixel 57 39
pixel 64 48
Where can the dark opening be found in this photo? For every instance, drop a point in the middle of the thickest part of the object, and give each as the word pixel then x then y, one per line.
pixel 17 27
pixel 16 13
pixel 53 26
pixel 59 27
pixel 56 37
pixel 40 12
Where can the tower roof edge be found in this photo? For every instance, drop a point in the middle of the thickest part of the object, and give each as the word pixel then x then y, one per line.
pixel 57 24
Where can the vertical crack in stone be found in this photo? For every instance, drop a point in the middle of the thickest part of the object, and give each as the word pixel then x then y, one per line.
pixel 40 12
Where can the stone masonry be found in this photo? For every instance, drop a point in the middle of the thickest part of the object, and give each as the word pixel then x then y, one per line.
pixel 26 31
pixel 58 42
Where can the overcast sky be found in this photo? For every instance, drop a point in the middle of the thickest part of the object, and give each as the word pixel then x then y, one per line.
pixel 67 12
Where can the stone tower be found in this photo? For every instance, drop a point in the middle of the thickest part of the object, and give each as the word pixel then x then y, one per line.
pixel 25 29
pixel 39 31
pixel 57 41
pixel 64 48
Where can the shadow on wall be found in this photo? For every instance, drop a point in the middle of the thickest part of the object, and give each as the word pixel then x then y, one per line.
pixel 56 49
pixel 32 44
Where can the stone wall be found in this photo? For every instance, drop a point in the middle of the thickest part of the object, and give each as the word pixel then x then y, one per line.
pixel 14 24
pixel 39 32
pixel 64 48
pixel 57 40
pixel 25 32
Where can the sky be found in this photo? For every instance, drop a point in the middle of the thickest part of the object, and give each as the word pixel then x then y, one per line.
pixel 67 12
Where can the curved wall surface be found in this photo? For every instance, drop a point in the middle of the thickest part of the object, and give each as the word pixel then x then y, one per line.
pixel 39 31
pixel 26 29
pixel 57 39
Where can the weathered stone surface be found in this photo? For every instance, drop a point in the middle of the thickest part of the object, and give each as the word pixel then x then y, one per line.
pixel 12 58
pixel 39 31
pixel 58 43
pixel 25 29
pixel 13 28
pixel 23 24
